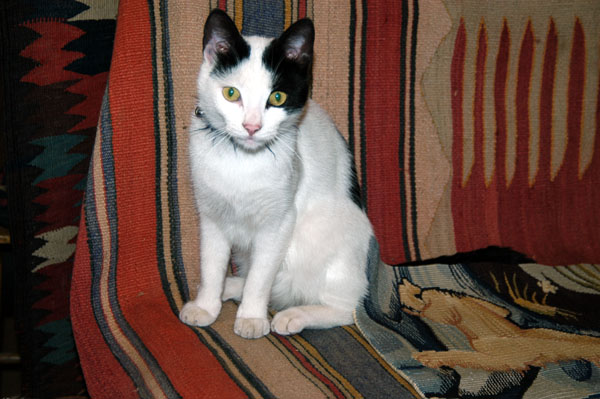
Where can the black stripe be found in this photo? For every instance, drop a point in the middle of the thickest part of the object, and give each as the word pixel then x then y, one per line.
pixel 352 38
pixel 402 127
pixel 173 191
pixel 355 187
pixel 363 128
pixel 412 150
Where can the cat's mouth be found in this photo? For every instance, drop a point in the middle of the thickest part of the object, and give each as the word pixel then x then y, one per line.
pixel 250 143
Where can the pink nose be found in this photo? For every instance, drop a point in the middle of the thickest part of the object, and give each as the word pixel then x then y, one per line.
pixel 251 128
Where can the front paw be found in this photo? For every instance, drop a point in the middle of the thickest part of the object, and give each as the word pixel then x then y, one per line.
pixel 251 328
pixel 193 315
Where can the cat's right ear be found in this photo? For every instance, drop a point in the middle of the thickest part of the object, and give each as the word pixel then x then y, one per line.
pixel 221 39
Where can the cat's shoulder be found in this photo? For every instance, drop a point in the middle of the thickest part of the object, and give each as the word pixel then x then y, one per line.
pixel 315 114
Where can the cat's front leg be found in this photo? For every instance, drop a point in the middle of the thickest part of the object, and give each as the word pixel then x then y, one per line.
pixel 269 250
pixel 214 257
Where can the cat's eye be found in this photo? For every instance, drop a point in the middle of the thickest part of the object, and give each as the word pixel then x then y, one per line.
pixel 277 98
pixel 231 94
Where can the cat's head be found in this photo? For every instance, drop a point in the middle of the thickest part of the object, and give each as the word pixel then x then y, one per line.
pixel 253 89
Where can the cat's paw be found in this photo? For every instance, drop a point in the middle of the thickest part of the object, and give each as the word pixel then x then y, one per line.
pixel 289 321
pixel 193 315
pixel 251 328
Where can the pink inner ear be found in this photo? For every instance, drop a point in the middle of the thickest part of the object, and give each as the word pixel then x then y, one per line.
pixel 221 47
pixel 292 54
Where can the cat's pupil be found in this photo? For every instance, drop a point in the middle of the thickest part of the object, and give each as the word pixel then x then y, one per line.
pixel 231 92
pixel 278 97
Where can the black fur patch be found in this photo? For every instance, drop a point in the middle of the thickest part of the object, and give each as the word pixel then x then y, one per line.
pixel 292 76
pixel 230 48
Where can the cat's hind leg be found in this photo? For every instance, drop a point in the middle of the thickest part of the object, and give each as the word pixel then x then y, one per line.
pixel 234 286
pixel 295 319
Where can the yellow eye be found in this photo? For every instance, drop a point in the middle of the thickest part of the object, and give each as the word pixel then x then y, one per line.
pixel 231 94
pixel 277 98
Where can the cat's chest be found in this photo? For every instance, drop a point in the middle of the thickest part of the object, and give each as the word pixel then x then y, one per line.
pixel 238 189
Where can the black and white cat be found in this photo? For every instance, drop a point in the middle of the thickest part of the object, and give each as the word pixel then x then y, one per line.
pixel 272 178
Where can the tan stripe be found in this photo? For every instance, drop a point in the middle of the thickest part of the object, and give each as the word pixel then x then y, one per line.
pixel 433 139
pixel 229 365
pixel 105 234
pixel 163 160
pixel 330 87
pixel 357 83
pixel 186 31
pixel 270 361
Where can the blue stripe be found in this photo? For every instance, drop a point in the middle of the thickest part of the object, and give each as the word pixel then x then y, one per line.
pixel 263 18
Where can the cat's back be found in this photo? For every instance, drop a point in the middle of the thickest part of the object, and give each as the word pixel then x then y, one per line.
pixel 326 161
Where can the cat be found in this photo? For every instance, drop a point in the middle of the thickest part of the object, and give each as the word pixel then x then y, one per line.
pixel 272 179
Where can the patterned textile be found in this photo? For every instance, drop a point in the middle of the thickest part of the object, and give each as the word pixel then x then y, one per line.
pixel 475 124
pixel 400 89
pixel 488 330
pixel 137 251
pixel 55 59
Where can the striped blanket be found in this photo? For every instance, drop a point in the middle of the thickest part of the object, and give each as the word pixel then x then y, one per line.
pixel 410 84
pixel 137 248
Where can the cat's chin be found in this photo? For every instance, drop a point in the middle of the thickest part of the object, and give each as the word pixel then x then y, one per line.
pixel 250 144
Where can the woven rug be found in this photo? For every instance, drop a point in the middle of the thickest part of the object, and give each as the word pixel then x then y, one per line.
pixel 56 57
pixel 483 330
pixel 390 74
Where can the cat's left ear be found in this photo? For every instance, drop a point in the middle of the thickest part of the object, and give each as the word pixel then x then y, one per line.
pixel 222 41
pixel 298 40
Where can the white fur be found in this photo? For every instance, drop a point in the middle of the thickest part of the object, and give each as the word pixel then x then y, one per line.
pixel 283 212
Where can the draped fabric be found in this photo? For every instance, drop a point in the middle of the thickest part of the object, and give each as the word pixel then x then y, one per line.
pixel 472 125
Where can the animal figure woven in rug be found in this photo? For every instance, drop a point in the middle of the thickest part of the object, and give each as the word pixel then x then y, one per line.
pixel 498 344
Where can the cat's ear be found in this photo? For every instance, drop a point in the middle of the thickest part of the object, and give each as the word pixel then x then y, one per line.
pixel 221 37
pixel 297 41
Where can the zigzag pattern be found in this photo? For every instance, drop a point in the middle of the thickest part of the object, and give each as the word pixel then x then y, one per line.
pixel 56 159
pixel 61 342
pixel 48 52
pixel 63 62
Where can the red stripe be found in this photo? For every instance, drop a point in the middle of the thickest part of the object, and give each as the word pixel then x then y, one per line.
pixel 382 110
pixel 98 363
pixel 309 367
pixel 575 100
pixel 459 202
pixel 302 9
pixel 513 198
pixel 547 101
pixel 574 195
pixel 524 73
pixel 544 235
